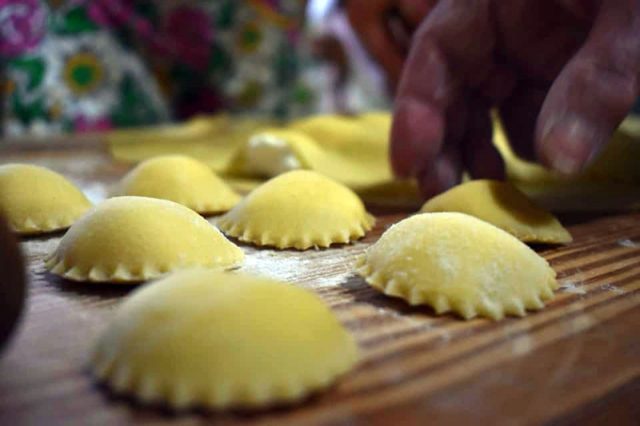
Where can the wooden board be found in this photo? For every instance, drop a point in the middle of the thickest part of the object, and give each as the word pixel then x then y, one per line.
pixel 577 361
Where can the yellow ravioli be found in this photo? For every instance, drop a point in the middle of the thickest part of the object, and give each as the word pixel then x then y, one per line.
pixel 457 263
pixel 299 209
pixel 36 200
pixel 181 179
pixel 220 340
pixel 504 206
pixel 129 239
pixel 274 151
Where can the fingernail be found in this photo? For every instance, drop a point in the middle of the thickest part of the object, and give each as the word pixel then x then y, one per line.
pixel 569 146
pixel 565 164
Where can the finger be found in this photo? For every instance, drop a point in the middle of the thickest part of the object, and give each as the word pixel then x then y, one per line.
pixel 583 9
pixel 417 134
pixel 442 174
pixel 445 173
pixel 445 50
pixel 539 29
pixel 594 92
pixel 446 170
pixel 519 113
pixel 481 158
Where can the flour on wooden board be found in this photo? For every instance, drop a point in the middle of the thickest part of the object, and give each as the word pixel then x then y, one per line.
pixel 572 287
pixel 628 243
pixel 612 288
pixel 294 267
pixel 297 267
pixel 578 288
pixel 522 345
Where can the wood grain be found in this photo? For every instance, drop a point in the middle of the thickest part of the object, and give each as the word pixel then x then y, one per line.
pixel 577 361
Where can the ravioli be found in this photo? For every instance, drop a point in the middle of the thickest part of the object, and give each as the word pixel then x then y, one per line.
pixel 457 263
pixel 200 338
pixel 504 206
pixel 36 200
pixel 181 179
pixel 299 209
pixel 272 152
pixel 130 239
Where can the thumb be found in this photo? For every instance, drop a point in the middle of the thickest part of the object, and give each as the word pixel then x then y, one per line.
pixel 594 92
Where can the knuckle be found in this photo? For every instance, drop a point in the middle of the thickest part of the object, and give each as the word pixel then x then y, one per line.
pixel 613 85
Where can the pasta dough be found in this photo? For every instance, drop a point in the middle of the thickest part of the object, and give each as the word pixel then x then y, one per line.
pixel 502 205
pixel 181 179
pixel 298 209
pixel 351 150
pixel 36 200
pixel 128 239
pixel 457 263
pixel 211 139
pixel 377 122
pixel 617 163
pixel 205 338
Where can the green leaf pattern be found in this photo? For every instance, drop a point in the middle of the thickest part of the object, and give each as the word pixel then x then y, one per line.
pixel 101 65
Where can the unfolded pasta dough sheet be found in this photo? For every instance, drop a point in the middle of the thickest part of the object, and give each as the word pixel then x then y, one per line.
pixel 354 151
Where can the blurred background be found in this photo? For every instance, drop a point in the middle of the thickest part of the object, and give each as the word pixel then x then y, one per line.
pixel 78 65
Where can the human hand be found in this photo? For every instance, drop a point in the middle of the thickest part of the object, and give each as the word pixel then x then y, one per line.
pixel 384 27
pixel 563 74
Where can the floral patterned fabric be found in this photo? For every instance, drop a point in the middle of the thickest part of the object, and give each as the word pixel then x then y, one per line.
pixel 83 65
